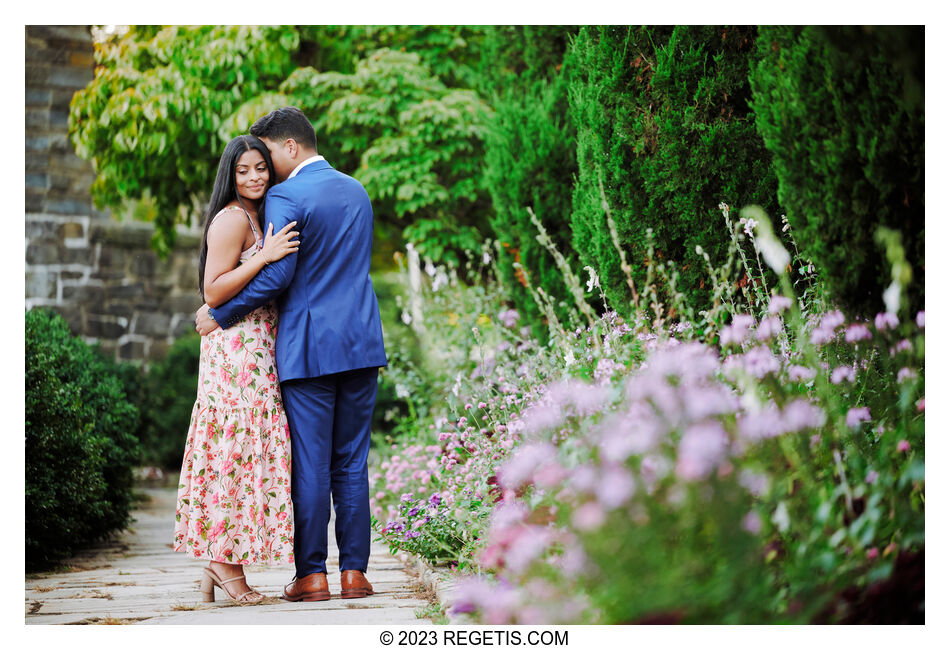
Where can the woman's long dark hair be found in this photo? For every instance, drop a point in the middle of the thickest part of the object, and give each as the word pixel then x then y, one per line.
pixel 225 191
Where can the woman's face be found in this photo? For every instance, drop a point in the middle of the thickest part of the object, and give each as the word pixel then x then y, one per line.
pixel 251 175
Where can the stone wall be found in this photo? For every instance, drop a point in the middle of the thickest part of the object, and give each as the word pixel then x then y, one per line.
pixel 99 273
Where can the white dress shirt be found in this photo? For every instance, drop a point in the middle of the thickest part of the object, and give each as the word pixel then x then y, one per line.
pixel 304 164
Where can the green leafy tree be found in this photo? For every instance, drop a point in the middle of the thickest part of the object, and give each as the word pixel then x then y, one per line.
pixel 149 120
pixel 840 110
pixel 413 142
pixel 166 99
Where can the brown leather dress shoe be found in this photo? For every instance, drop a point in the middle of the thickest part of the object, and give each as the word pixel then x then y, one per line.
pixel 355 585
pixel 309 588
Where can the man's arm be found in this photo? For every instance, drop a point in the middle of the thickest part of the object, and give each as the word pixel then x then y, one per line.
pixel 273 279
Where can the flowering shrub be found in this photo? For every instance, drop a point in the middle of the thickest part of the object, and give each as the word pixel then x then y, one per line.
pixel 760 470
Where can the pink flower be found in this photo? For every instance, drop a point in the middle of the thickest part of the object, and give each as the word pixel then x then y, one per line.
pixel 589 516
pixel 229 432
pixel 236 343
pixel 857 415
pixel 920 405
pixel 752 523
pixel 871 477
pixel 857 332
pixel 768 328
pixel 903 446
pixel 872 553
pixel 800 373
pixel 906 374
pixel 920 319
pixel 842 373
pixel 244 379
pixel 282 515
pixel 779 304
pixel 702 447
pixel 738 331
pixel 885 321
pixel 615 487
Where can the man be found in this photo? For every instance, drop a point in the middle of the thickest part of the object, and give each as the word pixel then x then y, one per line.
pixel 329 349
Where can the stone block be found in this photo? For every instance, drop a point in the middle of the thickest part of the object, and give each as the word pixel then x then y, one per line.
pixel 68 206
pixel 132 290
pixel 71 276
pixel 35 200
pixel 185 326
pixel 113 259
pixel 186 303
pixel 42 253
pixel 77 256
pixel 70 77
pixel 103 327
pixel 72 314
pixel 37 181
pixel 107 276
pixel 144 263
pixel 38 97
pixel 132 350
pixel 37 229
pixel 152 324
pixel 82 59
pixel 41 284
pixel 119 310
pixel 91 295
pixel 37 118
pixel 79 34
pixel 37 143
pixel 157 350
pixel 72 230
pixel 37 74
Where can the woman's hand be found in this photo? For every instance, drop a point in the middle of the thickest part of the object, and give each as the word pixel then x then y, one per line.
pixel 279 245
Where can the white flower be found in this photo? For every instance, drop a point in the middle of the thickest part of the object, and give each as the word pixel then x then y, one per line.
pixel 430 268
pixel 892 297
pixel 594 281
pixel 569 358
pixel 401 391
pixel 406 318
pixel 780 518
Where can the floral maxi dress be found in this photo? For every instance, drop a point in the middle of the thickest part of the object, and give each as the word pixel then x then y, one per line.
pixel 234 494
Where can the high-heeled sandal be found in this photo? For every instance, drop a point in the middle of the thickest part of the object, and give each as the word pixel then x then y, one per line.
pixel 210 580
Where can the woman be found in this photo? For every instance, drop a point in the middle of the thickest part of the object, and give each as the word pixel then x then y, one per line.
pixel 234 504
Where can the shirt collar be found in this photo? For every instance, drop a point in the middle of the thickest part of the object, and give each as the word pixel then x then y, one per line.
pixel 312 159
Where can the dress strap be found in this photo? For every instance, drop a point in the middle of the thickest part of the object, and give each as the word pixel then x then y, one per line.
pixel 254 226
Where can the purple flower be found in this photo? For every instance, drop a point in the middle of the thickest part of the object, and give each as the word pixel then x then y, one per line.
pixel 903 446
pixel 435 499
pixel 524 462
pixel 615 487
pixel 408 496
pixel 903 345
pixel 752 523
pixel 857 415
pixel 906 374
pixel 508 317
pixel 738 331
pixel 871 477
pixel 920 319
pixel 759 362
pixel 885 321
pixel 768 328
pixel 800 414
pixel 801 373
pixel 832 320
pixel 702 447
pixel 413 511
pixel 589 516
pixel 779 304
pixel 857 332
pixel 842 373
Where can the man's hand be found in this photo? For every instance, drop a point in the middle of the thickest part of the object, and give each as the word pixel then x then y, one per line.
pixel 203 321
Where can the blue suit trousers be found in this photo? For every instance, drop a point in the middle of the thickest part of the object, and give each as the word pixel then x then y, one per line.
pixel 330 419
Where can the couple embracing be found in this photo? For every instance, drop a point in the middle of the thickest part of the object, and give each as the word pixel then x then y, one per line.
pixel 290 353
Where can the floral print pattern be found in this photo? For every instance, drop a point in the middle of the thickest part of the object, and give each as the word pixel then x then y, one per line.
pixel 234 500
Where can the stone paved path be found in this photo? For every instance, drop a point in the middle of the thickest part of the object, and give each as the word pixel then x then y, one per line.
pixel 139 579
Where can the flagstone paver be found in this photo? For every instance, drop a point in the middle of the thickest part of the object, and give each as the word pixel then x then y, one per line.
pixel 139 579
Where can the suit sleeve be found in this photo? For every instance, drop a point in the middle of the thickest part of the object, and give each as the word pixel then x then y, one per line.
pixel 274 278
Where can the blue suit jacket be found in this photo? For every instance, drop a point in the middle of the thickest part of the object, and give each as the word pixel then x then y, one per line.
pixel 329 315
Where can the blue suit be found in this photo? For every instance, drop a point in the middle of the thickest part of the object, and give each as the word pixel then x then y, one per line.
pixel 329 348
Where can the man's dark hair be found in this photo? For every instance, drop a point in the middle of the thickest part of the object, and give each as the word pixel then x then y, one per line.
pixel 285 123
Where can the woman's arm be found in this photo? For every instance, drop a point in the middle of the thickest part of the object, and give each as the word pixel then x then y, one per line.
pixel 224 277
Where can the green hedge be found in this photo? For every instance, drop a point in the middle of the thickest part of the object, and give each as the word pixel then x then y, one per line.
pixel 166 400
pixel 663 123
pixel 841 111
pixel 529 158
pixel 80 443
